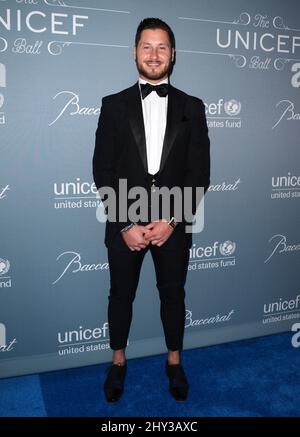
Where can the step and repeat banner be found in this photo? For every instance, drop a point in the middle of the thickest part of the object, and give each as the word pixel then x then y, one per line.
pixel 58 58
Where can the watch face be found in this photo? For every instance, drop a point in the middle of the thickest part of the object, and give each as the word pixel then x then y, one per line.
pixel 172 222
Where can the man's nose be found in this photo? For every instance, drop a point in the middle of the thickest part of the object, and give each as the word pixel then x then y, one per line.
pixel 154 53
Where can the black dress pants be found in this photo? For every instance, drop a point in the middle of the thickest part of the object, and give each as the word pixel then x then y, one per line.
pixel 171 269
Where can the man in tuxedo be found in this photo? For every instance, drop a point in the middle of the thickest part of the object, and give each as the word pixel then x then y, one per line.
pixel 150 135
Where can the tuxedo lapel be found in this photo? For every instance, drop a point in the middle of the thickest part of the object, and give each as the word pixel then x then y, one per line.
pixel 135 115
pixel 174 116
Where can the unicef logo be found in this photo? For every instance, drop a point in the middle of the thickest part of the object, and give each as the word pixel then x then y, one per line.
pixel 232 107
pixel 4 266
pixel 227 248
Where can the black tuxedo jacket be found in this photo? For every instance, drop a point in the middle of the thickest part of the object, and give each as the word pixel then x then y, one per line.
pixel 120 152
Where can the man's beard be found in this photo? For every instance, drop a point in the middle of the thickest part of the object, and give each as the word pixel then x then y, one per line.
pixel 154 75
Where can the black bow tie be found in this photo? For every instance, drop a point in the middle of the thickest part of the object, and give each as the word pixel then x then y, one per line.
pixel 147 88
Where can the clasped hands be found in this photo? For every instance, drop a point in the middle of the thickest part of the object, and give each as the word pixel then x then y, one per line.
pixel 139 236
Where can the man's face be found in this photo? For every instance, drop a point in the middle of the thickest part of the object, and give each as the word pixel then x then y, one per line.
pixel 153 55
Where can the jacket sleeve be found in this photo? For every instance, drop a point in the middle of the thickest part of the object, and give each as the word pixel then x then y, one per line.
pixel 105 149
pixel 105 162
pixel 197 171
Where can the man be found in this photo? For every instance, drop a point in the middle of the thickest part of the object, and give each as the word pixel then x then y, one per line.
pixel 150 135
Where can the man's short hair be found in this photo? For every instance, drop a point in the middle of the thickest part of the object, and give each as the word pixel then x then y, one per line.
pixel 154 23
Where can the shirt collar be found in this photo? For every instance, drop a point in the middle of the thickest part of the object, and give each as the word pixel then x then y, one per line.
pixel 142 81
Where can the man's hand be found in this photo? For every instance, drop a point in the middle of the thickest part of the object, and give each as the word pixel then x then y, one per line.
pixel 158 232
pixel 134 238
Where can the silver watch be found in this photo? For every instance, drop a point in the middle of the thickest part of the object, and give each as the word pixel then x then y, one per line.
pixel 173 223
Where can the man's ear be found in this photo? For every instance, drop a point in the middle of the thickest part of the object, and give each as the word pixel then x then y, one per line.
pixel 173 55
pixel 134 53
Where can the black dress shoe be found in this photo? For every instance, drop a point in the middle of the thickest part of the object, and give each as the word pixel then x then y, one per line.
pixel 178 383
pixel 114 383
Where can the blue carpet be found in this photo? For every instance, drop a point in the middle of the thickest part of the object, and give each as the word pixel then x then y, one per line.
pixel 21 396
pixel 249 378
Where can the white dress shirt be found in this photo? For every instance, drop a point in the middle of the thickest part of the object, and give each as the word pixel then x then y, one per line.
pixel 155 121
